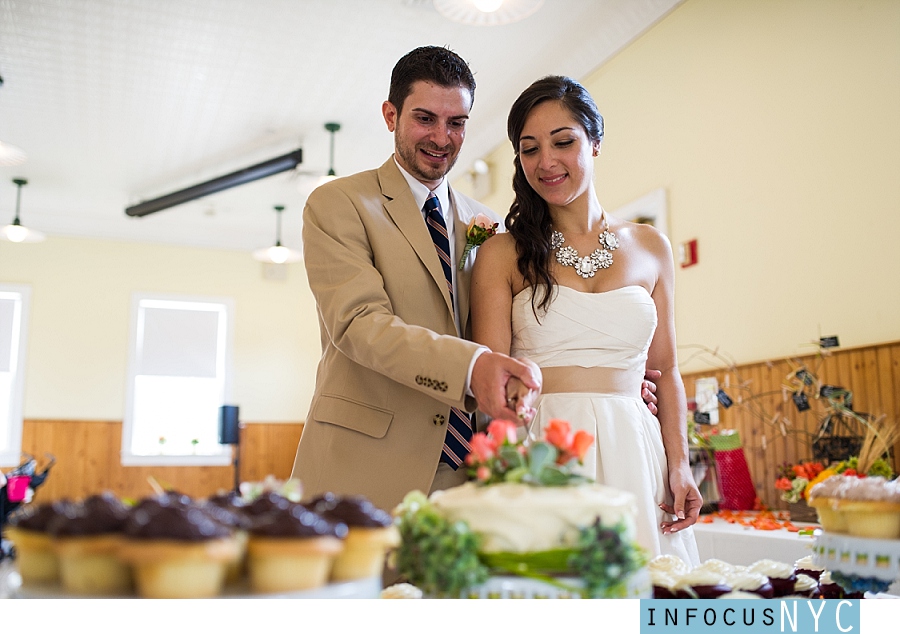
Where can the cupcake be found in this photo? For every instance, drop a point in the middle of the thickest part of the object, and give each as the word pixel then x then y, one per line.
pixel 753 582
pixel 830 589
pixel 781 575
pixel 231 510
pixel 806 566
pixel 717 565
pixel 36 557
pixel 292 549
pixel 806 586
pixel 701 584
pixel 872 508
pixel 668 563
pixel 825 498
pixel 370 534
pixel 663 584
pixel 87 538
pixel 401 591
pixel 177 550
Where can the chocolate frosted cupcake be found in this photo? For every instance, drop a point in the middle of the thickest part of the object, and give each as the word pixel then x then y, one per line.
pixel 371 533
pixel 292 549
pixel 701 583
pixel 87 537
pixel 747 581
pixel 781 575
pixel 36 556
pixel 177 550
pixel 806 566
pixel 806 586
pixel 231 510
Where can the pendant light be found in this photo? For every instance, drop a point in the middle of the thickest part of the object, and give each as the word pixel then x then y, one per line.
pixel 332 128
pixel 487 12
pixel 10 154
pixel 15 232
pixel 277 254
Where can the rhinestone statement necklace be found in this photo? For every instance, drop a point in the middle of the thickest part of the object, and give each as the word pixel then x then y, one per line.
pixel 601 258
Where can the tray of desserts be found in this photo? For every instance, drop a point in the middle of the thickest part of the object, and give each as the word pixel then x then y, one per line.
pixel 169 545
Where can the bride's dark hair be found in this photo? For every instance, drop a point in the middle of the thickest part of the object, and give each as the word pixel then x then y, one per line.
pixel 528 220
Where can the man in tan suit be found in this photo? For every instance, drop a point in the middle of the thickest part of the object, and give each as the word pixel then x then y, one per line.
pixel 395 359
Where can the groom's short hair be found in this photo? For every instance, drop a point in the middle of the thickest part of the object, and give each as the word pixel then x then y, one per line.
pixel 435 64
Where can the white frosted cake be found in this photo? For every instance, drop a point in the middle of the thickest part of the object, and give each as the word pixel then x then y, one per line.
pixel 512 517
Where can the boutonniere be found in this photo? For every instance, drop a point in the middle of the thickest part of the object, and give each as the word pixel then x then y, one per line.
pixel 480 229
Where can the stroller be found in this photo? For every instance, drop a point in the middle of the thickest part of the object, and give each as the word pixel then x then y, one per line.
pixel 14 490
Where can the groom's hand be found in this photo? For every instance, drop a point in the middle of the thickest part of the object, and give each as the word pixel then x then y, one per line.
pixel 490 377
pixel 648 390
pixel 520 398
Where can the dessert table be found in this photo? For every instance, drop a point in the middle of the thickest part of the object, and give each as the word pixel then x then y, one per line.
pixel 743 545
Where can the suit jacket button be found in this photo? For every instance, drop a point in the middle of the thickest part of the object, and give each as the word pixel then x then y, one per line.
pixel 438 419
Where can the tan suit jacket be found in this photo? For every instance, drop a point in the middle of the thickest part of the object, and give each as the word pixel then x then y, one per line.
pixel 392 361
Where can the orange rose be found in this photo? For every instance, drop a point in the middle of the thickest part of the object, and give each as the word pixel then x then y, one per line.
pixel 783 484
pixel 581 442
pixel 483 448
pixel 557 432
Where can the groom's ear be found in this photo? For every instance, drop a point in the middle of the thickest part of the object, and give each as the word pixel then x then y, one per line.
pixel 389 112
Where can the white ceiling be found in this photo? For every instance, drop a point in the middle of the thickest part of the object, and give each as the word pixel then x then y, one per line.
pixel 119 101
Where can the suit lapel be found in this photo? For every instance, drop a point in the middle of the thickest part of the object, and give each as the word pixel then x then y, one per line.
pixel 461 218
pixel 401 207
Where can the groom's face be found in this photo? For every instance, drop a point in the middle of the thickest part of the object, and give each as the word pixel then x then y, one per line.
pixel 429 129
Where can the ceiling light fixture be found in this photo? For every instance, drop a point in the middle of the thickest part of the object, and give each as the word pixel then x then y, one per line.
pixel 487 12
pixel 16 232
pixel 267 168
pixel 277 254
pixel 330 176
pixel 10 154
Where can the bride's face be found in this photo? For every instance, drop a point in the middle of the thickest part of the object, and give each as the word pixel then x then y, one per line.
pixel 556 154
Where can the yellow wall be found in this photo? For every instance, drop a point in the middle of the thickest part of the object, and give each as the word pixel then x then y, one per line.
pixel 80 308
pixel 774 127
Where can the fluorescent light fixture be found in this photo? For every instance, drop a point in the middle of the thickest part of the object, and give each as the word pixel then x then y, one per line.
pixel 255 172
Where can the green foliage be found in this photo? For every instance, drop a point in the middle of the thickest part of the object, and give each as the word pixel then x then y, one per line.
pixel 438 556
pixel 605 560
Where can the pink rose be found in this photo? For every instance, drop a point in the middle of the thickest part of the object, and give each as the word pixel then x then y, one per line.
pixel 483 473
pixel 502 431
pixel 483 222
pixel 483 447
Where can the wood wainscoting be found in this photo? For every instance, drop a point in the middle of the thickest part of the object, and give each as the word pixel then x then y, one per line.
pixel 871 373
pixel 87 460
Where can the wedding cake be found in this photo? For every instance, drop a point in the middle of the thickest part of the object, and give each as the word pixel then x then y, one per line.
pixel 526 526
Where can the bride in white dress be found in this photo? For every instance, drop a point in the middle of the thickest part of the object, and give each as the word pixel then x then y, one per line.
pixel 602 311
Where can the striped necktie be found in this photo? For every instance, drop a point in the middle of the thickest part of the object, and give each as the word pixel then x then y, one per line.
pixel 459 431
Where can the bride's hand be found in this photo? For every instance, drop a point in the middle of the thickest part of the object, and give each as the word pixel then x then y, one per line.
pixel 520 398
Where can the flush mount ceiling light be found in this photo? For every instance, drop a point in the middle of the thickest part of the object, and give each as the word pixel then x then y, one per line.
pixel 487 12
pixel 277 254
pixel 10 154
pixel 15 232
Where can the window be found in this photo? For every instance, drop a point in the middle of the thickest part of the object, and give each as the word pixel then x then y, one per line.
pixel 14 304
pixel 179 375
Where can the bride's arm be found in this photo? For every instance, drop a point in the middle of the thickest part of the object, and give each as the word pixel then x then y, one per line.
pixel 670 390
pixel 490 302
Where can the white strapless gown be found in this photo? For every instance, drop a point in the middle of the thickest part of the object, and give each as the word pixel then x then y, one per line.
pixel 611 329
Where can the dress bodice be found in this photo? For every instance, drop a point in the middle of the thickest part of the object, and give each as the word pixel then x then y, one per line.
pixel 610 329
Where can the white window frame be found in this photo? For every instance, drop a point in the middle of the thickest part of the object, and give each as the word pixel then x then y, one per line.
pixel 224 457
pixel 19 348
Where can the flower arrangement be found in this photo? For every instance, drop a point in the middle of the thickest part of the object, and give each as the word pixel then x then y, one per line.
pixel 497 456
pixel 480 229
pixel 793 480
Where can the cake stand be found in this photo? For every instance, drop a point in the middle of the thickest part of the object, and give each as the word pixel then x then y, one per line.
pixel 511 587
pixel 859 557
